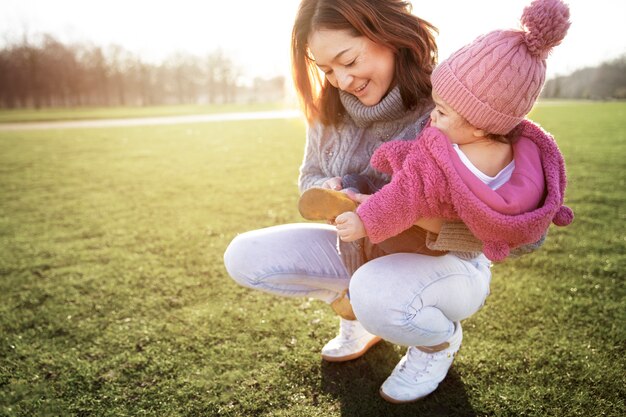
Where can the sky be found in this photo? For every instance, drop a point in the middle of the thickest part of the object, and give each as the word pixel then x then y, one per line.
pixel 256 33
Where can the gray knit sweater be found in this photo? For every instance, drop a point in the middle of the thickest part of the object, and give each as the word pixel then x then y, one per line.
pixel 347 149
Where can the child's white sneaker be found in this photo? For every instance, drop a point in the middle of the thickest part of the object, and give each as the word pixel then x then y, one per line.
pixel 352 342
pixel 419 373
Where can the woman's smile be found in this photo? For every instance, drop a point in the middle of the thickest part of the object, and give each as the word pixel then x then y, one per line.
pixel 361 90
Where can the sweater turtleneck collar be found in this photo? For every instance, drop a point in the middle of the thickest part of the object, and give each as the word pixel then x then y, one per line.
pixel 390 108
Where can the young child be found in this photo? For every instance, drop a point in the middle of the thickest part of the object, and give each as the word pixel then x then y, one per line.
pixel 479 161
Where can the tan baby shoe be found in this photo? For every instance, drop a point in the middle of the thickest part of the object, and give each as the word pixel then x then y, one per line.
pixel 324 204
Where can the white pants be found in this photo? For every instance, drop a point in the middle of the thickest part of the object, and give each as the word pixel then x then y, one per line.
pixel 408 299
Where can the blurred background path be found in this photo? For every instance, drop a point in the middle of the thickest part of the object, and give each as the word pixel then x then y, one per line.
pixel 151 121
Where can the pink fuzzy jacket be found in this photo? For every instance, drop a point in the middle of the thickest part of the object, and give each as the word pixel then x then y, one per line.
pixel 430 180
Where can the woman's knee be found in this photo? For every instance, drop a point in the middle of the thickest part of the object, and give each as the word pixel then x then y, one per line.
pixel 459 296
pixel 237 260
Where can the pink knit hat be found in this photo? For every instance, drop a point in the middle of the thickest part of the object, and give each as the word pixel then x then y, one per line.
pixel 494 81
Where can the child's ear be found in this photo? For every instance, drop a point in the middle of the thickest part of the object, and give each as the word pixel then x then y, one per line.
pixel 479 133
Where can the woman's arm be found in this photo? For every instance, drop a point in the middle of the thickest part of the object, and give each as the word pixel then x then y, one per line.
pixel 311 173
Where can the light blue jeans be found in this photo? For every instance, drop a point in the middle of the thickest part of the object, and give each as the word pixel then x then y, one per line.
pixel 405 298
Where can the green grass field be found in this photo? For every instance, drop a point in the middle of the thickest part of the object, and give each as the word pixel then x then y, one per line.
pixel 114 300
pixel 89 113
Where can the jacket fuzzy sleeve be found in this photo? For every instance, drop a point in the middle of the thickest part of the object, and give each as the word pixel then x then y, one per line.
pixel 414 191
pixel 390 156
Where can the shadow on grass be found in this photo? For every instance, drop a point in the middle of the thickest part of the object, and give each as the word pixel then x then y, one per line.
pixel 355 384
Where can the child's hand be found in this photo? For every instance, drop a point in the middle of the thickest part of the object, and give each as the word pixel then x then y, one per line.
pixel 356 197
pixel 350 227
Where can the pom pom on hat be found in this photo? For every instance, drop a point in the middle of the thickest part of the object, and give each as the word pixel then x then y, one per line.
pixel 546 23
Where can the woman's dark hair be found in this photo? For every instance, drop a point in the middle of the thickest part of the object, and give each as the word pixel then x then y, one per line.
pixel 386 22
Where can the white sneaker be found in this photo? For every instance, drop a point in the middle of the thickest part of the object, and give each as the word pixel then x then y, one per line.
pixel 419 373
pixel 353 341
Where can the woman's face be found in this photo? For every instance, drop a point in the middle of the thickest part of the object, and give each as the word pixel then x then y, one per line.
pixel 355 65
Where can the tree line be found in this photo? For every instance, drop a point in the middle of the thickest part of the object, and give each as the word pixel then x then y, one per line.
pixel 49 73
pixel 606 81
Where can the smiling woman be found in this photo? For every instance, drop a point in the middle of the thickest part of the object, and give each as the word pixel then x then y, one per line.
pixel 354 47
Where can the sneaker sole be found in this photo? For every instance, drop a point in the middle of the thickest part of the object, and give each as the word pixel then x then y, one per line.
pixel 324 204
pixel 352 355
pixel 394 401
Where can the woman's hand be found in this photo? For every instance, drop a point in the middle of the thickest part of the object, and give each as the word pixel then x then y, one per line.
pixel 350 227
pixel 333 183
